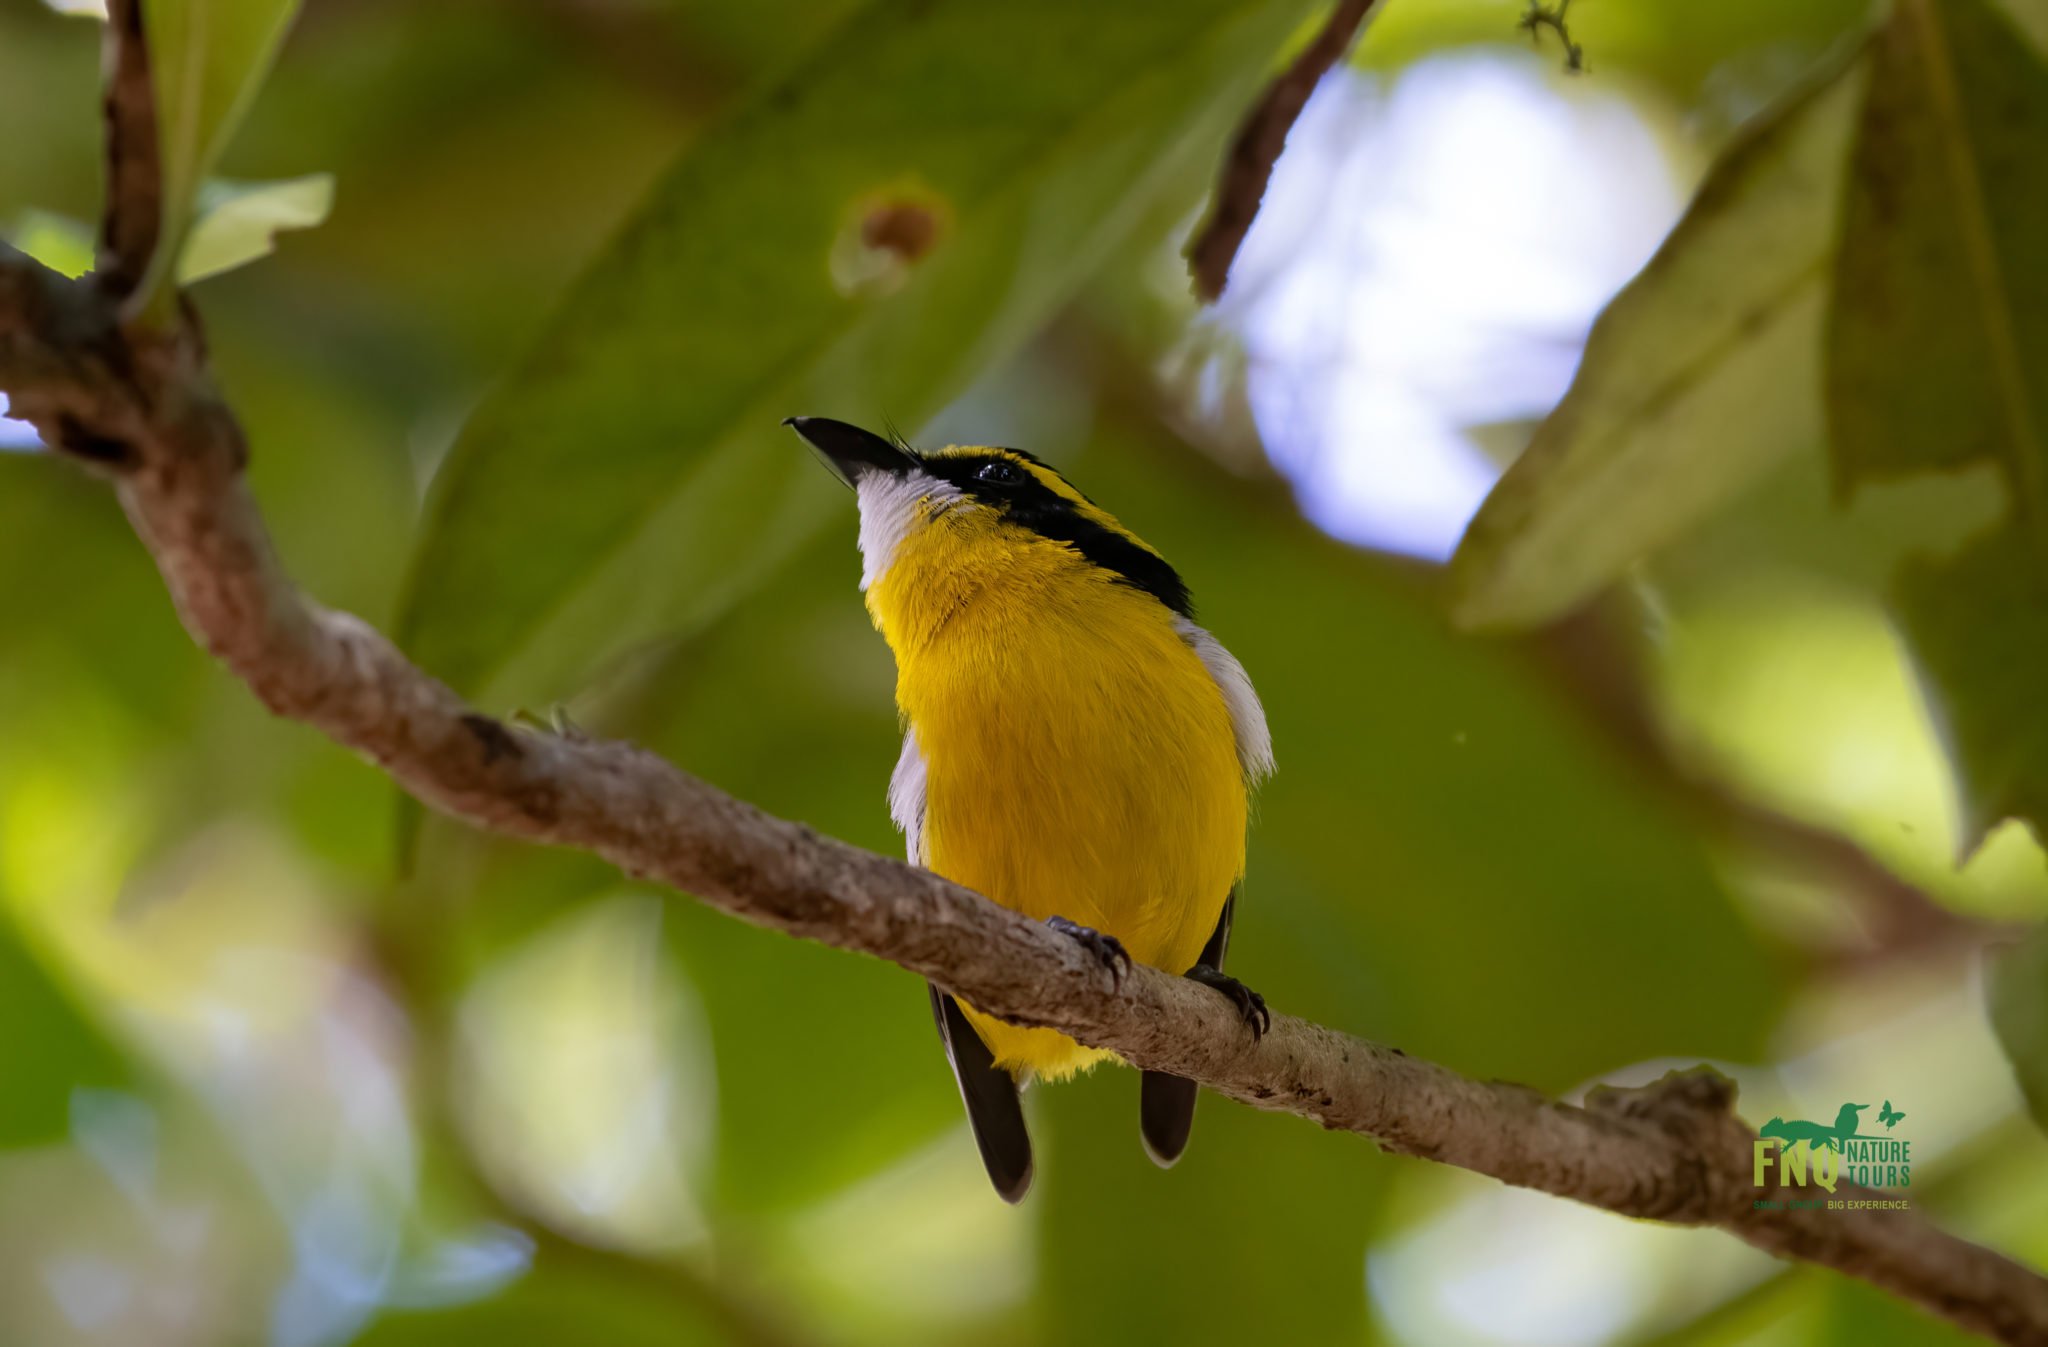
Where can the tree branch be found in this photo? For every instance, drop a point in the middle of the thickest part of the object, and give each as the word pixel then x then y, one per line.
pixel 1249 165
pixel 140 408
pixel 134 215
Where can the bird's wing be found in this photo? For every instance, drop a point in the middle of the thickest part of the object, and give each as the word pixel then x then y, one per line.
pixel 1247 716
pixel 1166 1104
pixel 906 797
pixel 990 1094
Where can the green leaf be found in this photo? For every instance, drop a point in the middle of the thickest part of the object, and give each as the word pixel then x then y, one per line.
pixel 57 241
pixel 206 60
pixel 860 241
pixel 239 221
pixel 2016 993
pixel 48 1050
pixel 1938 360
pixel 1699 376
pixel 1938 343
pixel 1978 626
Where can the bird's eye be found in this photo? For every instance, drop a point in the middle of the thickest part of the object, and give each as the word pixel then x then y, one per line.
pixel 999 472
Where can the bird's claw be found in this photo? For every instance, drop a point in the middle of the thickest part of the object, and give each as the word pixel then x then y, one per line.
pixel 1251 1006
pixel 1107 949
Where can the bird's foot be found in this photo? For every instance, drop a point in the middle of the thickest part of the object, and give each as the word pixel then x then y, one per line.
pixel 1250 1005
pixel 1107 949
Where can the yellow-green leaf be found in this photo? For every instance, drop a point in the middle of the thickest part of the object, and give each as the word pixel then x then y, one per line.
pixel 206 60
pixel 1700 375
pixel 57 241
pixel 238 222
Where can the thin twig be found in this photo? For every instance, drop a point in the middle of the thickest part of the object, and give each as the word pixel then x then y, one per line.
pixel 1249 165
pixel 151 421
pixel 1540 16
pixel 134 209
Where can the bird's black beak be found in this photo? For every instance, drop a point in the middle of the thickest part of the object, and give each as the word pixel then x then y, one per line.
pixel 850 451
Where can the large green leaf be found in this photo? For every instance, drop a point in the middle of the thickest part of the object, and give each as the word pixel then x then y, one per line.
pixel 898 212
pixel 206 60
pixel 2016 990
pixel 1938 342
pixel 1938 360
pixel 1978 625
pixel 1699 376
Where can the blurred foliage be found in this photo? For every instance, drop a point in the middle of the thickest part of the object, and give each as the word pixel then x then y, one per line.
pixel 2017 985
pixel 1662 425
pixel 69 1053
pixel 258 1088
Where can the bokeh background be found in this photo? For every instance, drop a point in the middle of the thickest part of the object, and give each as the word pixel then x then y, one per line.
pixel 285 1063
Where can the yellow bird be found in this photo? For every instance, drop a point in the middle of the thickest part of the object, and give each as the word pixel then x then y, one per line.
pixel 1074 746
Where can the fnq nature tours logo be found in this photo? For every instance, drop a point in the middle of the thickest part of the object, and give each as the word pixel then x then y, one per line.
pixel 1799 1154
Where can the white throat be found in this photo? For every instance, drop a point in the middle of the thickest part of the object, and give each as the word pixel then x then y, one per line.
pixel 891 505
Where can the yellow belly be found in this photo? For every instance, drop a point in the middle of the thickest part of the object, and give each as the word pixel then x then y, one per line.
pixel 1079 762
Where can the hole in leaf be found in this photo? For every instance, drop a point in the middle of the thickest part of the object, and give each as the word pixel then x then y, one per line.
pixel 886 234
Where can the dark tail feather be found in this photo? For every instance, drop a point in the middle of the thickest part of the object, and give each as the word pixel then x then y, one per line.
pixel 1166 1104
pixel 990 1094
pixel 1166 1114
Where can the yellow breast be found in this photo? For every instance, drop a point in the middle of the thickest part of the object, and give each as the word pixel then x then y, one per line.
pixel 1078 756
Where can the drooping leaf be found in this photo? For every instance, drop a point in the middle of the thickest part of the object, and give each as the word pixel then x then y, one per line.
pixel 1938 360
pixel 2016 993
pixel 1938 341
pixel 239 221
pixel 860 242
pixel 1702 373
pixel 1978 626
pixel 206 60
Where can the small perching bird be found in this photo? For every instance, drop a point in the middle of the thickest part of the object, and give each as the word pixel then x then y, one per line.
pixel 1074 746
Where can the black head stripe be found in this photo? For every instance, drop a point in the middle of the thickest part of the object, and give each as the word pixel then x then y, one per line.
pixel 1027 501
